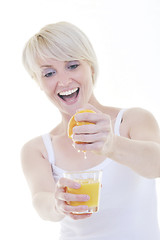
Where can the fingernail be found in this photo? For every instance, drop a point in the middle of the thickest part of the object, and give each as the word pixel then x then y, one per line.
pixel 87 197
pixel 77 185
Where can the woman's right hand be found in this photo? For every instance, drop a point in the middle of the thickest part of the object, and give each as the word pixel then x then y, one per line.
pixel 63 199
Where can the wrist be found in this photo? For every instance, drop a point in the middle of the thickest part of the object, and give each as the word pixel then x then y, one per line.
pixel 112 149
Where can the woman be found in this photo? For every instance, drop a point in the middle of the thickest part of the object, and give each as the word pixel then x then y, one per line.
pixel 124 143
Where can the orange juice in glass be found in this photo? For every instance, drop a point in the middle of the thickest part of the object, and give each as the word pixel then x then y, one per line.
pixel 90 185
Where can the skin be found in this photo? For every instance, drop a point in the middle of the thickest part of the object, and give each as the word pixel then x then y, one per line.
pixel 138 147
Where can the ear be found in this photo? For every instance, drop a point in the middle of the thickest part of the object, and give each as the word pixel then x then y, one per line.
pixel 93 74
pixel 92 70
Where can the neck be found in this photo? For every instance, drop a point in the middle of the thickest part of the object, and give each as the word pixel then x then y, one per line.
pixel 93 101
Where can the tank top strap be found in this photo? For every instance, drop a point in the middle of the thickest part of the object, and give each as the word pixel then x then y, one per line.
pixel 118 122
pixel 48 144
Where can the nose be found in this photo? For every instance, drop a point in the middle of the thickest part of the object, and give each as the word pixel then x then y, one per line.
pixel 64 83
pixel 64 80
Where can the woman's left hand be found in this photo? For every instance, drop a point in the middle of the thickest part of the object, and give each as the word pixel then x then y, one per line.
pixel 97 137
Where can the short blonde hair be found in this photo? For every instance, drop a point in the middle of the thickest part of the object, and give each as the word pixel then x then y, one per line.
pixel 60 41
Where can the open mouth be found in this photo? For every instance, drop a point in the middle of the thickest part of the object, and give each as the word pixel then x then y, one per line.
pixel 70 95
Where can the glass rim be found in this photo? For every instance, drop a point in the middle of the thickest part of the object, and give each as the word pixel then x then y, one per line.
pixel 81 172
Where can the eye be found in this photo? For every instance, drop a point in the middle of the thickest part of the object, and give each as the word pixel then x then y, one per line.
pixel 49 73
pixel 73 65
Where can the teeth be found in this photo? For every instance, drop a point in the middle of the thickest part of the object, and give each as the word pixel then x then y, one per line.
pixel 65 93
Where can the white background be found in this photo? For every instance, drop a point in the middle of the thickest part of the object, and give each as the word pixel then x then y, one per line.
pixel 126 37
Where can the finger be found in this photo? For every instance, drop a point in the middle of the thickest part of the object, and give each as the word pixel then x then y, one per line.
pixel 72 209
pixel 92 128
pixel 90 138
pixel 91 117
pixel 69 197
pixel 66 182
pixel 96 146
pixel 80 216
pixel 65 208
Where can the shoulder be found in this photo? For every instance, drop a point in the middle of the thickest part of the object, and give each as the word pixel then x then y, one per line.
pixel 34 144
pixel 31 151
pixel 141 124
pixel 140 115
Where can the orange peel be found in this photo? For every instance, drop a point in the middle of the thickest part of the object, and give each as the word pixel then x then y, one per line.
pixel 72 122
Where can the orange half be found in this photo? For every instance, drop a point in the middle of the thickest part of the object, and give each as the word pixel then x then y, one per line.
pixel 72 122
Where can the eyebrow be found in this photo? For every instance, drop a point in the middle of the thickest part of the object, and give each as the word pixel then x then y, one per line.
pixel 45 66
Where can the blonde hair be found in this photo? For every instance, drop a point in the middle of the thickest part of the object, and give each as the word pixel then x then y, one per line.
pixel 60 41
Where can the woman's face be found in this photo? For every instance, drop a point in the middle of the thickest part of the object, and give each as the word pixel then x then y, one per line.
pixel 68 84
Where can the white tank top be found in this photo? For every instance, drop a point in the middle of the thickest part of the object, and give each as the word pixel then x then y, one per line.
pixel 128 206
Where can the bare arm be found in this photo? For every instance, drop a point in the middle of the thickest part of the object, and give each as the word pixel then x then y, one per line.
pixel 140 150
pixel 44 204
pixel 37 171
pixel 50 199
pixel 141 156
